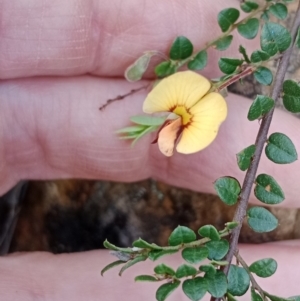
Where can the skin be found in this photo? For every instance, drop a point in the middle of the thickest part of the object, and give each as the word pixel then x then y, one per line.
pixel 59 63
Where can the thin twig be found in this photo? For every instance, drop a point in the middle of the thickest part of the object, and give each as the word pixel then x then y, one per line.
pixel 252 279
pixel 260 141
pixel 120 97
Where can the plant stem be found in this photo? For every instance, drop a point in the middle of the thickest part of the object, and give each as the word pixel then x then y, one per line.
pixel 252 279
pixel 260 141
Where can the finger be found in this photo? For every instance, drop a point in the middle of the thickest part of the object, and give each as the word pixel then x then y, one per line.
pixel 77 276
pixel 57 131
pixel 101 37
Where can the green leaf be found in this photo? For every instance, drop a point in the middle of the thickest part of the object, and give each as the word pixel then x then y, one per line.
pixel 249 29
pixel 195 288
pixel 279 10
pixel 209 270
pixel 135 71
pixel 209 231
pixel 238 281
pixel 224 43
pixel 242 50
pixel 143 278
pixel 219 262
pixel 280 149
pixel 261 220
pixel 165 290
pixel 264 268
pixel 248 6
pixel 185 270
pixel 164 69
pixel 148 120
pixel 260 106
pixel 230 297
pixel 228 189
pixel 228 65
pixel 244 157
pixel 181 235
pixel 147 130
pixel 255 296
pixel 156 254
pixel 110 246
pixel 267 190
pixel 263 75
pixel 217 284
pixel 258 56
pixel 111 265
pixel 274 38
pixel 227 17
pixel 132 130
pixel 217 249
pixel 277 298
pixel 132 262
pixel 298 38
pixel 291 96
pixel 194 255
pixel 199 61
pixel 231 225
pixel 140 243
pixel 163 269
pixel 181 48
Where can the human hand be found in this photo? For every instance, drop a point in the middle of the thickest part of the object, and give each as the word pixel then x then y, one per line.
pixel 51 126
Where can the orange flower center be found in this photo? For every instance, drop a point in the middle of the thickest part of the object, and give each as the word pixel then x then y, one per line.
pixel 182 111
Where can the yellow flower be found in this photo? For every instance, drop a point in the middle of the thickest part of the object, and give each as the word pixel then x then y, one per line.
pixel 195 115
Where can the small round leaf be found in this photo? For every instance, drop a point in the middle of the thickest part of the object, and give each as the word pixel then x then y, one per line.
pixel 145 278
pixel 209 231
pixel 260 106
pixel 209 270
pixel 255 296
pixel 249 29
pixel 267 190
pixel 217 284
pixel 135 71
pixel 238 281
pixel 217 249
pixel 261 220
pixel 164 269
pixel 195 288
pixel 181 235
pixel 165 290
pixel 199 61
pixel 264 268
pixel 274 38
pixel 165 69
pixel 263 75
pixel 224 43
pixel 258 56
pixel 181 48
pixel 185 270
pixel 279 10
pixel 244 157
pixel 248 6
pixel 194 255
pixel 291 96
pixel 227 17
pixel 280 149
pixel 228 189
pixel 228 65
pixel 156 254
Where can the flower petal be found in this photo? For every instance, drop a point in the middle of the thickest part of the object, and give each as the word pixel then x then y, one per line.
pixel 168 136
pixel 208 114
pixel 182 88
